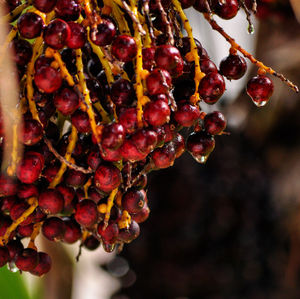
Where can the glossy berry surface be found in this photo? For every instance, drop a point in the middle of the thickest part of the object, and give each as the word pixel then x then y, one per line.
pixel 124 48
pixel 233 67
pixel 48 79
pixel 104 33
pixel 30 25
pixel 214 123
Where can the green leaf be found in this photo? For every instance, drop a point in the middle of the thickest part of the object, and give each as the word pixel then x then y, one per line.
pixel 12 285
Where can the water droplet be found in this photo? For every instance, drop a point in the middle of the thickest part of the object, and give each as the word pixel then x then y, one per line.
pixel 260 102
pixel 200 159
pixel 251 29
pixel 12 267
pixel 108 247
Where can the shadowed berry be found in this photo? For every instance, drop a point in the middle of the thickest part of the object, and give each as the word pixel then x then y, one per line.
pixel 53 229
pixel 51 201
pixel 43 266
pixel 86 213
pixel 27 260
pixel 134 200
pixel 214 123
pixel 107 178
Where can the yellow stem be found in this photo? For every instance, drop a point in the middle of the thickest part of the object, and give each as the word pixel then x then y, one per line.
pixel 35 233
pixel 110 203
pixel 14 155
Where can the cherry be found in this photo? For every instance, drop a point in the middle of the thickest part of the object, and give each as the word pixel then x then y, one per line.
pixel 51 201
pixel 110 233
pixel 168 57
pixel 187 114
pixel 30 167
pixel 75 178
pixel 104 33
pixel 134 200
pixel 107 178
pixel 226 9
pixel 4 256
pixel 260 89
pixel 68 194
pixel 211 88
pixel 128 118
pixel 145 140
pixel 111 155
pixel 113 136
pixel 164 157
pixel 7 203
pixel 47 79
pixel 8 186
pixel 14 247
pixel 53 229
pixel 81 121
pixel 94 159
pixel 124 48
pixel 66 101
pixel 91 243
pixel 233 67
pixel 25 231
pixel 69 10
pixel 43 266
pixel 142 215
pixel 78 36
pixel 200 145
pixel 32 132
pixel 86 213
pixel 214 123
pixel 128 235
pixel 72 231
pixel 22 51
pixel 157 113
pixel 30 25
pixel 27 260
pixel 44 5
pixel 159 81
pixel 207 66
pixel 130 152
pixel 148 58
pixel 57 33
pixel 179 145
pixel 95 195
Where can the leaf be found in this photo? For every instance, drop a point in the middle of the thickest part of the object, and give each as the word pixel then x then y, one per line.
pixel 12 285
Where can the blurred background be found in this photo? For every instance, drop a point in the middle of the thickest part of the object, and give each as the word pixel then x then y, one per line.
pixel 226 229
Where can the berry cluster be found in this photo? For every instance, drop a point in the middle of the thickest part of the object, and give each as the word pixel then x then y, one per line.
pixel 105 89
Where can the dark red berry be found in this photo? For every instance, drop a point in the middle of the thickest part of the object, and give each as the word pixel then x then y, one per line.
pixel 81 121
pixel 226 9
pixel 30 25
pixel 130 152
pixel 86 213
pixel 25 231
pixel 68 194
pixel 75 178
pixel 7 203
pixel 57 33
pixel 8 186
pixel 211 87
pixel 164 157
pixel 145 140
pixel 233 67
pixel 111 155
pixel 214 123
pixel 128 118
pixel 142 215
pixel 4 256
pixel 18 209
pixel 51 201
pixel 148 58
pixel 66 101
pixel 187 3
pixel 207 66
pixel 32 132
pixel 179 145
pixel 30 167
pixel 94 159
pixel 128 235
pixel 104 33
pixel 14 247
pixel 200 145
pixel 5 222
pixel 134 200
pixel 157 113
pixel 69 10
pixel 124 48
pixel 91 243
pixel 78 36
pixel 53 229
pixel 202 6
pixel 72 232
pixel 44 5
pixel 107 178
pixel 43 266
pixel 22 51
pixel 187 114
pixel 159 81
pixel 260 89
pixel 27 260
pixel 168 57
pixel 47 79
pixel 113 136
pixel 42 61
pixel 122 92
pixel 110 233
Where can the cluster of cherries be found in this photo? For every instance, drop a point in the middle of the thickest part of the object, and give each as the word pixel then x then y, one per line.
pixel 96 121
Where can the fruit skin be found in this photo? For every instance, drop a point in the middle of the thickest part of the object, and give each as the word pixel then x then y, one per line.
pixel 133 201
pixel 107 178
pixel 44 5
pixel 104 33
pixel 260 88
pixel 233 67
pixel 124 48
pixel 66 101
pixel 43 266
pixel 159 81
pixel 214 123
pixel 86 213
pixel 72 232
pixel 157 113
pixel 30 25
pixel 53 229
pixel 47 79
pixel 27 260
pixel 200 144
pixel 187 114
pixel 51 201
pixel 8 186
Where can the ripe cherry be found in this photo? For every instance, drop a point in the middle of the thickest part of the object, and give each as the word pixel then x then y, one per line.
pixel 53 229
pixel 32 132
pixel 69 10
pixel 134 200
pixel 30 25
pixel 27 260
pixel 110 233
pixel 159 81
pixel 43 266
pixel 124 48
pixel 142 215
pixel 226 9
pixel 8 186
pixel 44 5
pixel 107 178
pixel 233 67
pixel 14 247
pixel 86 213
pixel 128 118
pixel 260 89
pixel 51 201
pixel 214 123
pixel 91 243
pixel 113 136
pixel 128 235
pixel 187 114
pixel 81 121
pixel 66 101
pixel 78 36
pixel 157 113
pixel 47 79
pixel 22 51
pixel 72 231
pixel 104 33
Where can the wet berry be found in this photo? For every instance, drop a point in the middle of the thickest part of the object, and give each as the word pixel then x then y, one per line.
pixel 214 123
pixel 134 200
pixel 47 79
pixel 107 178
pixel 124 48
pixel 66 101
pixel 233 67
pixel 104 33
pixel 53 229
pixel 86 213
pixel 27 260
pixel 158 81
pixel 51 201
pixel 43 266
pixel 30 25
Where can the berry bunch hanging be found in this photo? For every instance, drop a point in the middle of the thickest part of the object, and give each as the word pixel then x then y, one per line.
pixel 105 89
